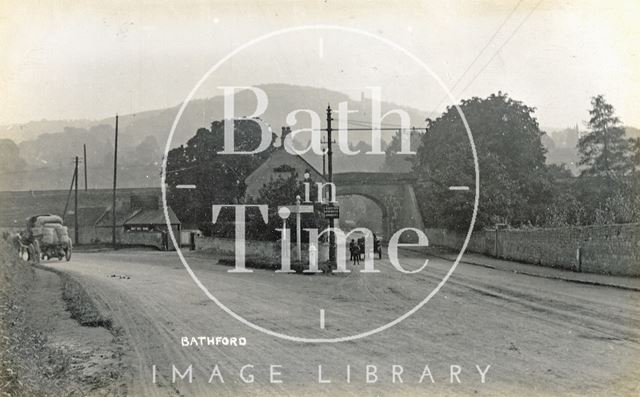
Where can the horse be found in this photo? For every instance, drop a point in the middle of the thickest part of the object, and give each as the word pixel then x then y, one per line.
pixel 22 246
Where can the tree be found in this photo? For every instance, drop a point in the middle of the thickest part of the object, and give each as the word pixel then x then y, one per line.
pixel 635 153
pixel 395 162
pixel 603 150
pixel 219 178
pixel 10 160
pixel 147 151
pixel 283 191
pixel 559 171
pixel 515 185
pixel 12 166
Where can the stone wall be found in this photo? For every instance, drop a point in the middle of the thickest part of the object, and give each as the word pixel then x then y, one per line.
pixel 611 249
pixel 226 246
pixel 91 235
pixel 257 249
pixel 147 239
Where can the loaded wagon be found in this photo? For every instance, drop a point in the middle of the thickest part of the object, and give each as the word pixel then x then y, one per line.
pixel 49 237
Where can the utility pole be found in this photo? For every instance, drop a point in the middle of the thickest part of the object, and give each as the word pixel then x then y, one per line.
pixel 115 175
pixel 324 161
pixel 332 234
pixel 66 206
pixel 298 230
pixel 75 207
pixel 84 147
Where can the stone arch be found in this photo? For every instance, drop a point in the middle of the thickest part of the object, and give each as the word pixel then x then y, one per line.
pixel 392 192
pixel 376 200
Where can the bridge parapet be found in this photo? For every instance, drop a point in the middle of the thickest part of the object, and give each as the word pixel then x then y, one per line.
pixel 373 178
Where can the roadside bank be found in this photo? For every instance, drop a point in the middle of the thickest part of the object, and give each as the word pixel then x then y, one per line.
pixel 45 350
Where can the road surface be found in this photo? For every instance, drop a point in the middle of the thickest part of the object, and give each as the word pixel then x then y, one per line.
pixel 539 336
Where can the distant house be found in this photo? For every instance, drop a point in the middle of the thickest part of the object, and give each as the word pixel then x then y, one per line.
pixel 148 221
pixel 94 214
pixel 140 221
pixel 281 164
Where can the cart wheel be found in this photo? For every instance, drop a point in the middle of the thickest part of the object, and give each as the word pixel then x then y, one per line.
pixel 67 252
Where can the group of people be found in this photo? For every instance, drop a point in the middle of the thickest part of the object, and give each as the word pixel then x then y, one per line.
pixel 357 249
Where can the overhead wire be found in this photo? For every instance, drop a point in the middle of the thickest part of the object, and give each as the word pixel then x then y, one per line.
pixel 479 54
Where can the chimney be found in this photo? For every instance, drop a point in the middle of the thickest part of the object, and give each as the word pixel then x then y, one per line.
pixel 285 131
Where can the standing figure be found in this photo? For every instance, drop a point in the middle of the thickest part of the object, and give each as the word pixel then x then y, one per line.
pixel 361 251
pixel 355 252
pixel 352 245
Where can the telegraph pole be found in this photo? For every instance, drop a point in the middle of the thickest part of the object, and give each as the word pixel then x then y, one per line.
pixel 84 147
pixel 324 161
pixel 332 234
pixel 66 206
pixel 75 207
pixel 115 175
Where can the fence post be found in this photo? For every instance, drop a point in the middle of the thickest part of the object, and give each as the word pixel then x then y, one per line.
pixel 579 258
pixel 498 227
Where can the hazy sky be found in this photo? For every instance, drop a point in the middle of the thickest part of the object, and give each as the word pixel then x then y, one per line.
pixel 85 59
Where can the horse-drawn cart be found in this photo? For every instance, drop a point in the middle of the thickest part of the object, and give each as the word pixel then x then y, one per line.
pixel 49 237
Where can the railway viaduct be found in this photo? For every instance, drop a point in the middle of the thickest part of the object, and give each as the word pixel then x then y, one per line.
pixel 392 192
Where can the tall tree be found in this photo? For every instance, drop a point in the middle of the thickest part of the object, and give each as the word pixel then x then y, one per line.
pixel 219 178
pixel 604 150
pixel 635 153
pixel 514 182
pixel 10 160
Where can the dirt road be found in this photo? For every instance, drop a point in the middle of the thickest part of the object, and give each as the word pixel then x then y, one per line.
pixel 539 336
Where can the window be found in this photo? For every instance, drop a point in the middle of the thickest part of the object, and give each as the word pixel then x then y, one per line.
pixel 138 228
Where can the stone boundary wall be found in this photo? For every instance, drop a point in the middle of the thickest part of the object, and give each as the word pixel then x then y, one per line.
pixel 148 239
pixel 256 248
pixel 90 234
pixel 226 246
pixel 610 249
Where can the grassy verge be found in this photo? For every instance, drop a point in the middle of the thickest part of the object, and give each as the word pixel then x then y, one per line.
pixel 269 264
pixel 80 305
pixel 28 367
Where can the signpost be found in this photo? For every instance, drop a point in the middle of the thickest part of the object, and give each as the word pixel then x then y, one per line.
pixel 298 209
pixel 331 211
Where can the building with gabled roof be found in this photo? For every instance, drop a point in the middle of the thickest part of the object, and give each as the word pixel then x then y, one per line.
pixel 141 221
pixel 281 164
